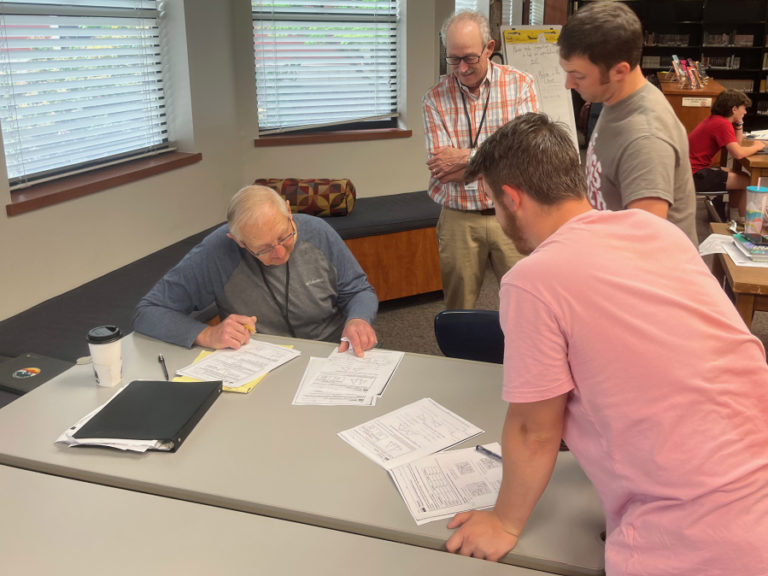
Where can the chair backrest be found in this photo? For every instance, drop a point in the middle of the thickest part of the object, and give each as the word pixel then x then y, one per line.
pixel 470 334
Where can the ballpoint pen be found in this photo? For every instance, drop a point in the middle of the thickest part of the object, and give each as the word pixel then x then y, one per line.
pixel 165 368
pixel 483 450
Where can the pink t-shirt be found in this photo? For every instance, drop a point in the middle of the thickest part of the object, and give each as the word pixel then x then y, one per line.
pixel 668 405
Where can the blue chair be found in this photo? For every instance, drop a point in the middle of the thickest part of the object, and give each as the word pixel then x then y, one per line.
pixel 470 335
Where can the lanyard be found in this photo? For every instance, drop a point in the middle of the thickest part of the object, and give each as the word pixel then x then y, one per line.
pixel 284 309
pixel 473 141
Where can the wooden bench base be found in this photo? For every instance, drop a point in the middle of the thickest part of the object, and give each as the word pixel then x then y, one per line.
pixel 401 263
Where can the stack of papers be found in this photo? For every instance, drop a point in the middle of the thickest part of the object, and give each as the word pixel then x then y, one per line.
pixel 343 379
pixel 441 485
pixel 434 485
pixel 408 433
pixel 237 368
pixel 725 244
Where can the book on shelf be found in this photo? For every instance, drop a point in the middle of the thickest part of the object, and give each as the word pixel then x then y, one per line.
pixel 731 62
pixel 753 245
pixel 743 40
pixel 651 62
pixel 712 39
pixel 659 39
pixel 743 84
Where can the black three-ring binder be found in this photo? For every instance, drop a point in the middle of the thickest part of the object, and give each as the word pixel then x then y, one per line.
pixel 152 410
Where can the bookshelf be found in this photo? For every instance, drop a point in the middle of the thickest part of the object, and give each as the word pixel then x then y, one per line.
pixel 729 37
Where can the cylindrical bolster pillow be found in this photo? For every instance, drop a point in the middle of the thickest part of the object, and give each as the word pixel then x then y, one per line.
pixel 315 196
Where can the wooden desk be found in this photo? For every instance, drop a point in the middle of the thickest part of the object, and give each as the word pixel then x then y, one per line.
pixel 749 285
pixel 59 526
pixel 691 106
pixel 259 454
pixel 757 164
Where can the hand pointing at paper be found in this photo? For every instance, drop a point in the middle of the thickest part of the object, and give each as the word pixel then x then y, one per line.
pixel 359 335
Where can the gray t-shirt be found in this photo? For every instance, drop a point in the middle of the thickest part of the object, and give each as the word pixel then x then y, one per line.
pixel 639 149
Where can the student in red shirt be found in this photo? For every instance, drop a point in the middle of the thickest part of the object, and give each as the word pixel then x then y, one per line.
pixel 723 129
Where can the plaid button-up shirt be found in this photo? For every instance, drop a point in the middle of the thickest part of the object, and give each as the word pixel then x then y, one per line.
pixel 509 93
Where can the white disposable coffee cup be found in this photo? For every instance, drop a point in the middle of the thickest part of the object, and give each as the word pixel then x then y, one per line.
pixel 106 354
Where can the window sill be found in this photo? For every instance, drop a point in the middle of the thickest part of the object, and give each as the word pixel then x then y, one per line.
pixel 329 137
pixel 56 191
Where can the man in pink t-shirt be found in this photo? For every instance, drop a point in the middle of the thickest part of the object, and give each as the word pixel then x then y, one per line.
pixel 619 339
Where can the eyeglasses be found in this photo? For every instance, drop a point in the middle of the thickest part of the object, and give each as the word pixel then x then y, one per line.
pixel 469 59
pixel 280 242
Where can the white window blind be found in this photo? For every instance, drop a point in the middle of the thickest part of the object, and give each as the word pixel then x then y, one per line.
pixel 481 6
pixel 512 12
pixel 325 62
pixel 536 12
pixel 465 5
pixel 80 84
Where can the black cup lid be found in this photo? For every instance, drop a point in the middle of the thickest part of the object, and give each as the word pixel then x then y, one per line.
pixel 104 334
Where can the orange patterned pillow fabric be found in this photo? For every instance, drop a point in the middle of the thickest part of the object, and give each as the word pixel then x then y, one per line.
pixel 315 196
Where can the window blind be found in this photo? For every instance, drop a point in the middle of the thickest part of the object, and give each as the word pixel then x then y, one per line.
pixel 80 84
pixel 482 6
pixel 536 12
pixel 465 5
pixel 325 62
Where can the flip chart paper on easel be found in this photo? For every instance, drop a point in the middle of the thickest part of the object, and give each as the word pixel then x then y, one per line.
pixel 534 49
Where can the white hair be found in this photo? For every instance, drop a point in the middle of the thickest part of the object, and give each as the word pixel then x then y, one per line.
pixel 467 15
pixel 253 203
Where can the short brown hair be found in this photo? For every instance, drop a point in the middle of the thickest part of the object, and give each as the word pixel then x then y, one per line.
pixel 533 154
pixel 727 99
pixel 605 32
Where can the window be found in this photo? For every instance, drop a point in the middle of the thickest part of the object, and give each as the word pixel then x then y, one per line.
pixel 325 62
pixel 536 12
pixel 477 5
pixel 80 85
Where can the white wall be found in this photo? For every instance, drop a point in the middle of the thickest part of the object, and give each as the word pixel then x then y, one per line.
pixel 49 251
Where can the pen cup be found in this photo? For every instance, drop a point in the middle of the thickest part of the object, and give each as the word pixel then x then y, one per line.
pixel 757 210
pixel 106 354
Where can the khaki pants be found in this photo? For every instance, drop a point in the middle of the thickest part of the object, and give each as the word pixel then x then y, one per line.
pixel 468 241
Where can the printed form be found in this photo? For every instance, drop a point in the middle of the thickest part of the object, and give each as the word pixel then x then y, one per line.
pixel 345 379
pixel 238 367
pixel 441 485
pixel 408 433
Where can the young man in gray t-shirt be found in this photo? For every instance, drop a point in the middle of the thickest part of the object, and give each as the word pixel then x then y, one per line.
pixel 638 152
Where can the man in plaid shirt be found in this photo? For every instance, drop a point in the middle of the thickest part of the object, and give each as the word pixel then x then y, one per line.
pixel 460 112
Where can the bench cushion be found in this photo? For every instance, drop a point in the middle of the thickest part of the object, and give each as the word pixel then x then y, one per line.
pixel 315 196
pixel 388 214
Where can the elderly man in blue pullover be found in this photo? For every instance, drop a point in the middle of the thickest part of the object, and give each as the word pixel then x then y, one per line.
pixel 265 270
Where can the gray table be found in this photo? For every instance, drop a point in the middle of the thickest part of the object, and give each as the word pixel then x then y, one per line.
pixel 257 453
pixel 54 525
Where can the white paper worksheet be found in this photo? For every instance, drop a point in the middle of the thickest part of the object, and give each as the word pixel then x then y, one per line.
pixel 345 379
pixel 441 485
pixel 238 367
pixel 415 430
